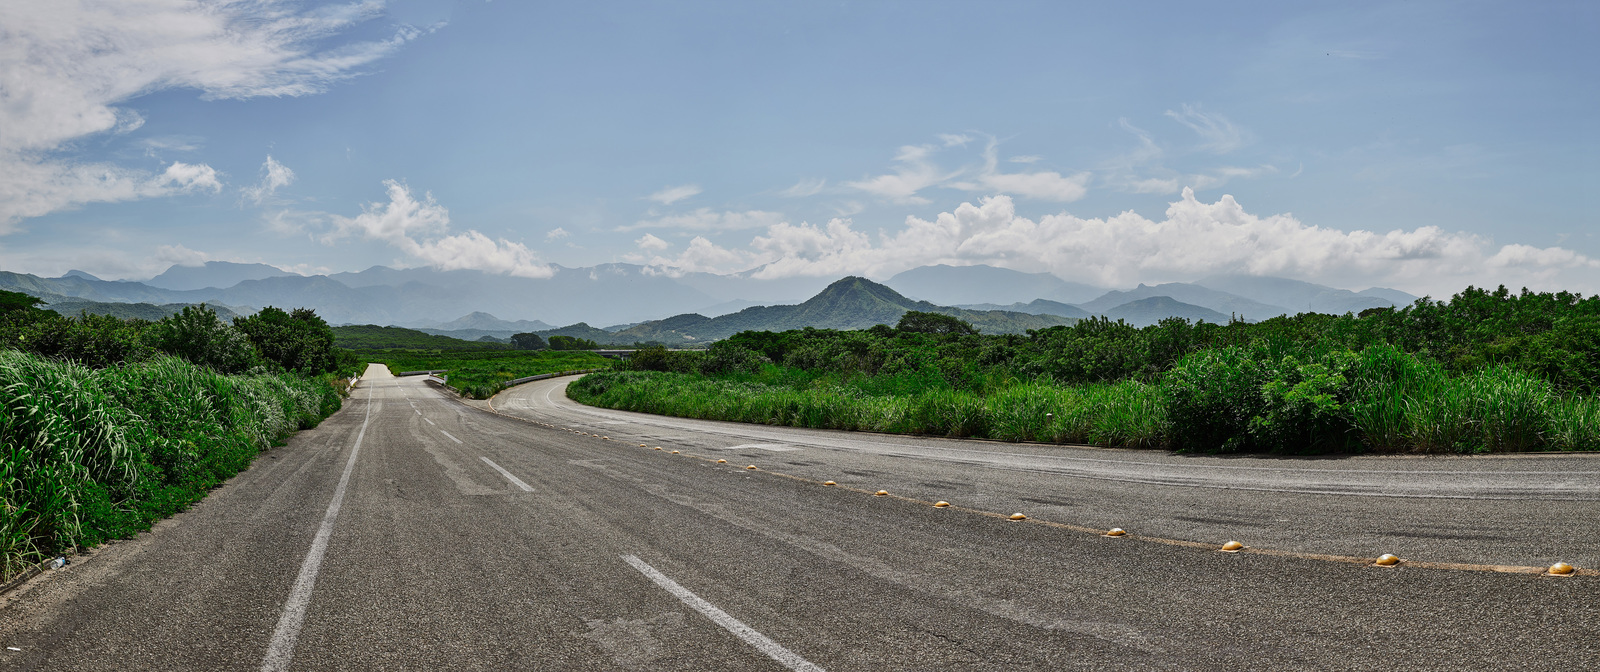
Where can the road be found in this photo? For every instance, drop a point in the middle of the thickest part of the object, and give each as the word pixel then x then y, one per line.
pixel 412 531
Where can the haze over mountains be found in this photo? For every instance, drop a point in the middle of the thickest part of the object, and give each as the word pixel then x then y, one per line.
pixel 472 304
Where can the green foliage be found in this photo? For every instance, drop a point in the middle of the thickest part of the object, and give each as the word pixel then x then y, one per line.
pixel 374 337
pixel 299 341
pixel 528 341
pixel 933 323
pixel 88 455
pixel 1485 371
pixel 559 342
pixel 198 336
pixel 17 301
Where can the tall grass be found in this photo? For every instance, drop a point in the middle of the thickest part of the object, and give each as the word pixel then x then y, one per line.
pixel 88 455
pixel 1379 399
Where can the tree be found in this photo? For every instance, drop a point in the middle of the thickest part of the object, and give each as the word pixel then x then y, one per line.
pixel 10 301
pixel 197 335
pixel 559 342
pixel 934 323
pixel 528 341
pixel 298 341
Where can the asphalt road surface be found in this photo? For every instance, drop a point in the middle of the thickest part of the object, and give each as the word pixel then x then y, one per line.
pixel 412 531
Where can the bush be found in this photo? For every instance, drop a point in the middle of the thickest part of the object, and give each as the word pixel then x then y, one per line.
pixel 298 341
pixel 199 337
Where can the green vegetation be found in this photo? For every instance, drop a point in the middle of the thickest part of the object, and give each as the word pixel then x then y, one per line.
pixel 374 337
pixel 572 343
pixel 1485 371
pixel 111 424
pixel 479 375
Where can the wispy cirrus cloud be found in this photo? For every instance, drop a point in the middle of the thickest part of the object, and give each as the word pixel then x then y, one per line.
pixel 706 219
pixel 672 195
pixel 1217 134
pixel 104 54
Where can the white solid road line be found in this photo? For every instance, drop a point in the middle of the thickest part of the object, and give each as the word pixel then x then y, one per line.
pixel 418 412
pixel 452 438
pixel 280 651
pixel 514 480
pixel 428 421
pixel 773 649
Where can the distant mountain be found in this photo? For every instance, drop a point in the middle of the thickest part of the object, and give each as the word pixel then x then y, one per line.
pixel 955 285
pixel 143 311
pixel 75 273
pixel 214 274
pixel 1398 297
pixel 1218 301
pixel 481 321
pixel 726 307
pixel 1305 297
pixel 1034 307
pixel 850 303
pixel 582 330
pixel 1145 312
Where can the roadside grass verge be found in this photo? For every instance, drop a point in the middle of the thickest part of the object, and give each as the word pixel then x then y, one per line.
pixel 482 373
pixel 88 455
pixel 1218 400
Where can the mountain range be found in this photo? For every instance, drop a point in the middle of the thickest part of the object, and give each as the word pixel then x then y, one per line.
pixel 471 304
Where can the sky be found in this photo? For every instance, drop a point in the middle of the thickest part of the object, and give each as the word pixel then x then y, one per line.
pixel 1423 146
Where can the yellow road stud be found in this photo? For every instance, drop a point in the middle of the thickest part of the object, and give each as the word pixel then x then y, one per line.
pixel 1387 560
pixel 1232 547
pixel 1116 532
pixel 881 493
pixel 1018 516
pixel 722 461
pixel 829 483
pixel 941 504
pixel 751 467
pixel 674 452
pixel 1561 569
pixel 656 448
pixel 641 445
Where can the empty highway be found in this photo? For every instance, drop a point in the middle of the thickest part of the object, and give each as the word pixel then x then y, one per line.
pixel 412 531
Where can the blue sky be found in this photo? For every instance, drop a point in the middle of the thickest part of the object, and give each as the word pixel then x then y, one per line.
pixel 1418 145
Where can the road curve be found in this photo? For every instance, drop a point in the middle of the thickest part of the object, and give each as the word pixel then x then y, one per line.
pixel 1502 510
pixel 412 531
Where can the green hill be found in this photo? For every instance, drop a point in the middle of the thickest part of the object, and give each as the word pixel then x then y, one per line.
pixel 1145 312
pixel 69 307
pixel 374 337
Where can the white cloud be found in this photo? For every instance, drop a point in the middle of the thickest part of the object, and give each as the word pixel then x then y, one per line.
pixel 672 195
pixel 650 242
pixel 555 234
pixel 274 176
pixel 170 255
pixel 66 66
pixel 914 173
pixel 955 139
pixel 1043 185
pixel 1194 239
pixel 34 188
pixel 420 229
pixel 706 219
pixel 805 187
pixel 1026 158
pixel 1216 133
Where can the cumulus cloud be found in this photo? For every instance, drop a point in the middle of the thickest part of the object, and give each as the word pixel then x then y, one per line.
pixel 650 242
pixel 421 229
pixel 555 234
pixel 672 195
pixel 274 176
pixel 65 67
pixel 706 219
pixel 1194 239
